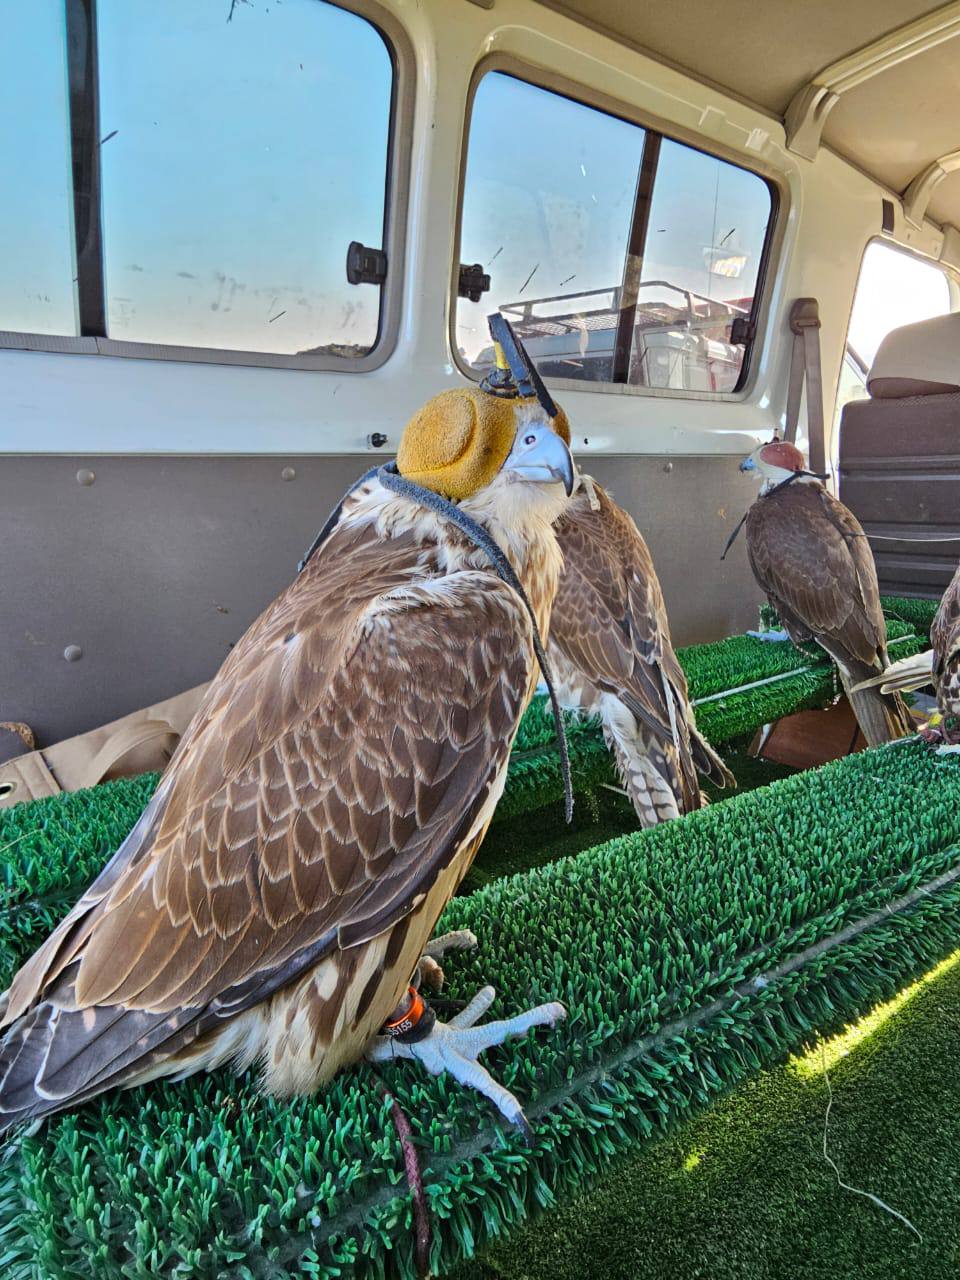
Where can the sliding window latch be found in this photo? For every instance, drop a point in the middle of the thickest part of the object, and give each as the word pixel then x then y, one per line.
pixel 473 282
pixel 364 265
pixel 742 332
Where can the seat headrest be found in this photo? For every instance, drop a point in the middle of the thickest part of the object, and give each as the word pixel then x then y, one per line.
pixel 920 359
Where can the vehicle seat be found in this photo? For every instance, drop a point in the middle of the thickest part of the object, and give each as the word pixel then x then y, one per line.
pixel 900 456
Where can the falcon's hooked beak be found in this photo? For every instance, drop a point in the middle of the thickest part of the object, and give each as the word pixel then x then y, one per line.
pixel 540 456
pixel 748 464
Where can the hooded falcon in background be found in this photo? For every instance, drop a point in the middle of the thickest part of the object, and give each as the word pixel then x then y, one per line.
pixel 611 654
pixel 811 557
pixel 271 905
pixel 939 666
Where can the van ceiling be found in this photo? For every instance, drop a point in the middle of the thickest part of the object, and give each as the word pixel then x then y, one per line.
pixel 892 126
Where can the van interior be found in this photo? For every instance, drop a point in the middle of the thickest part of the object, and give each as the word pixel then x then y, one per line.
pixel 244 241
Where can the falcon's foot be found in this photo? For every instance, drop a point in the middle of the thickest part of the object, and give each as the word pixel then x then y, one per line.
pixel 943 732
pixel 429 972
pixel 770 637
pixel 455 1045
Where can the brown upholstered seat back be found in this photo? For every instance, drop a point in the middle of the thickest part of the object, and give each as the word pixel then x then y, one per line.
pixel 900 456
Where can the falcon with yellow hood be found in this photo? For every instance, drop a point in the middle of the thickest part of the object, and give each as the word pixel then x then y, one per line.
pixel 271 905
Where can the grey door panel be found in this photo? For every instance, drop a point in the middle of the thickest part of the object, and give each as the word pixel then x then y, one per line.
pixel 155 569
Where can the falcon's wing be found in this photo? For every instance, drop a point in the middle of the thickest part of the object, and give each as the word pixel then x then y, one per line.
pixel 945 630
pixel 338 760
pixel 811 556
pixel 609 618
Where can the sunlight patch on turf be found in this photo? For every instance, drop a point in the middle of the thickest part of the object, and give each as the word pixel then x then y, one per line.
pixel 828 1053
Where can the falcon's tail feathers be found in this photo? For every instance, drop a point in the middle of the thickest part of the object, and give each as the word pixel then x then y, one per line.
pixel 883 717
pixel 53 1058
pixel 709 762
pixel 650 769
pixel 653 798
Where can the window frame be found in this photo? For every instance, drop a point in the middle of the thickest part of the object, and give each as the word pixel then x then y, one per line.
pixel 949 274
pixel 400 51
pixel 655 126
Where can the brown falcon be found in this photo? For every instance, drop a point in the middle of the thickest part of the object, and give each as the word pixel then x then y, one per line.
pixel 272 903
pixel 611 653
pixel 939 666
pixel 811 557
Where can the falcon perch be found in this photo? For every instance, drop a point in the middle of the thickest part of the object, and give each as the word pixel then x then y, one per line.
pixel 811 557
pixel 273 901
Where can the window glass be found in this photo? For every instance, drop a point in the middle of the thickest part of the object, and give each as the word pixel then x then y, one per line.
pixel 244 147
pixel 605 277
pixel 894 289
pixel 705 237
pixel 37 293
pixel 547 209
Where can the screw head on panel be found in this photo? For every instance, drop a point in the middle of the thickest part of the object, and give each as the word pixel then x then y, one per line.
pixel 288 473
pixel 73 653
pixel 86 477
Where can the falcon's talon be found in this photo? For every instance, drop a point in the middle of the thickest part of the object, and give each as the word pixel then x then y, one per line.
pixel 455 1045
pixel 429 972
pixel 455 940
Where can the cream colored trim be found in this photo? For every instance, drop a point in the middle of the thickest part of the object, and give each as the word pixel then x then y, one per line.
pixel 950 253
pixel 917 195
pixel 807 113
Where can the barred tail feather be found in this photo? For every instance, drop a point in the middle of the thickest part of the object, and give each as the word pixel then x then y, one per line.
pixel 882 717
pixel 708 762
pixel 55 1057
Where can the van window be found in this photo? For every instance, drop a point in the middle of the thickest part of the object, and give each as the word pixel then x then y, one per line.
pixel 240 159
pixel 619 256
pixel 705 241
pixel 36 212
pixel 894 289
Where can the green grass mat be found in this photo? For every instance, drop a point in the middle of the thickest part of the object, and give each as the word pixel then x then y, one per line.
pixel 916 613
pixel 689 956
pixel 737 686
pixel 743 1191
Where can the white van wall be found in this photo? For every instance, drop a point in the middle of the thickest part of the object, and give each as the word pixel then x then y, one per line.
pixel 66 402
pixel 188 527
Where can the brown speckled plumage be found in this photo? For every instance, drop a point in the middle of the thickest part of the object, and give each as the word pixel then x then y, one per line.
pixel 273 900
pixel 945 641
pixel 810 555
pixel 610 643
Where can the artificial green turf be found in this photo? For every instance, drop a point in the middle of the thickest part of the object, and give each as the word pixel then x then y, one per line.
pixel 600 814
pixel 743 1192
pixel 668 947
pixel 736 685
pixel 915 612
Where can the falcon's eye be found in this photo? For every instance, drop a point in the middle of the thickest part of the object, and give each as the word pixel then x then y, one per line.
pixel 529 439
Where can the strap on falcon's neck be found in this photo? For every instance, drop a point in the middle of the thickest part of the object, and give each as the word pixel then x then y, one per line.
pixel 391 479
pixel 794 475
pixel 331 521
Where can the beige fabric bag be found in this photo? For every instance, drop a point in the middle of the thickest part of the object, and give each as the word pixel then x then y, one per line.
pixel 134 744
